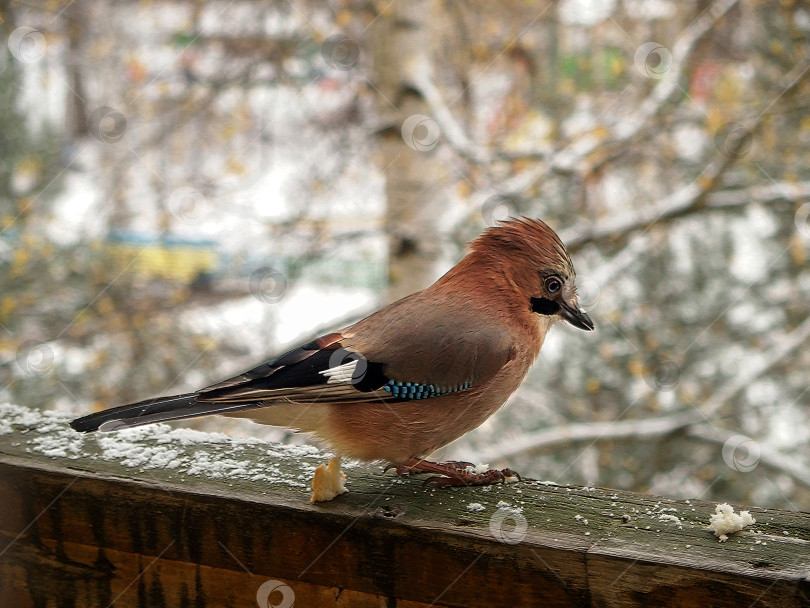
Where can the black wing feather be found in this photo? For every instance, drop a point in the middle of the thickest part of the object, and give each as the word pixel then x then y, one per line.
pixel 294 375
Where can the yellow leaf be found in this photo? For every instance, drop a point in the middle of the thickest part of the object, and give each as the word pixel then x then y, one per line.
pixel 480 51
pixel 7 306
pixel 463 188
pixel 798 251
pixel 234 166
pixel 343 18
pixel 105 306
pixel 715 118
pixel 705 182
pixel 18 262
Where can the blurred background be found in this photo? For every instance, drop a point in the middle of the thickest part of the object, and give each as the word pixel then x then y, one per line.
pixel 187 188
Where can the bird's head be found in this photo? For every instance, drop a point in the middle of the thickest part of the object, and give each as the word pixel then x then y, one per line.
pixel 534 261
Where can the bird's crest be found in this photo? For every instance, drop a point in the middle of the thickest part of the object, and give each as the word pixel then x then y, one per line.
pixel 527 237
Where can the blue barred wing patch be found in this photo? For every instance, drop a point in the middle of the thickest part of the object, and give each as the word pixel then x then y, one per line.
pixel 416 390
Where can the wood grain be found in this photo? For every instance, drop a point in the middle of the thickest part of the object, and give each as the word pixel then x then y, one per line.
pixel 83 529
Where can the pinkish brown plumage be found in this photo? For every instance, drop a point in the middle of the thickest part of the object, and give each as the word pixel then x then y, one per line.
pixel 413 376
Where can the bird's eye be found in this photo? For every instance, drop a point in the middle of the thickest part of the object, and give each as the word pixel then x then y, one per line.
pixel 553 284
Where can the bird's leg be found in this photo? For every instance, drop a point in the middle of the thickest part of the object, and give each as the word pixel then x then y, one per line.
pixel 454 473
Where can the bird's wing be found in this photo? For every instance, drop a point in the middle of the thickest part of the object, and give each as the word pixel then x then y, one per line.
pixel 381 358
pixel 323 370
pixel 361 364
pixel 419 347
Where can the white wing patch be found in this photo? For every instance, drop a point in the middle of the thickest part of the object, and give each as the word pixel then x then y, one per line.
pixel 341 373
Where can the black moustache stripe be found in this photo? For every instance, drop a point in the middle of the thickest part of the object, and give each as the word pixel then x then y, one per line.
pixel 544 306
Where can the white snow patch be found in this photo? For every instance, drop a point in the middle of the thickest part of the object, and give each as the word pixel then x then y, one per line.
pixel 586 12
pixel 158 446
pixel 505 506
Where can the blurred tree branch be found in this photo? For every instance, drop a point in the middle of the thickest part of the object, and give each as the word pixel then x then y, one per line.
pixel 650 428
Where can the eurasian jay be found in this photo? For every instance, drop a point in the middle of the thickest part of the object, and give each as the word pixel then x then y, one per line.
pixel 413 376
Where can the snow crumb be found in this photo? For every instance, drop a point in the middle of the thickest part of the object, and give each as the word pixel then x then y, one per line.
pixel 478 469
pixel 724 521
pixel 505 506
pixel 667 517
pixel 475 506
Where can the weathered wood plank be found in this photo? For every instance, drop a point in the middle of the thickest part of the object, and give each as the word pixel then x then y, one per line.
pixel 208 521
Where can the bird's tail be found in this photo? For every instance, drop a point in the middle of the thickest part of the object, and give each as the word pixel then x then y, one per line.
pixel 150 411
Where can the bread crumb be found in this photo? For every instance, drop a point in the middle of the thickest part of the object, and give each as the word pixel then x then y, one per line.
pixel 329 481
pixel 724 521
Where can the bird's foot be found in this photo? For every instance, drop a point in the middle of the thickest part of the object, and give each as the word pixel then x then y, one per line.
pixel 454 473
pixel 412 467
pixel 467 478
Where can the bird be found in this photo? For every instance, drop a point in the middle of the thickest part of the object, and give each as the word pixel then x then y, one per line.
pixel 411 377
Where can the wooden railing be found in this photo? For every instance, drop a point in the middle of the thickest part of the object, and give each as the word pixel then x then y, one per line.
pixel 155 517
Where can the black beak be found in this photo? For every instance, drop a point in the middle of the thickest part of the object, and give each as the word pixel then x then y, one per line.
pixel 575 317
